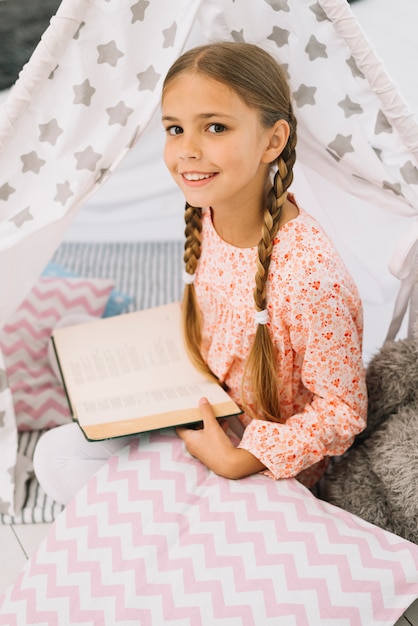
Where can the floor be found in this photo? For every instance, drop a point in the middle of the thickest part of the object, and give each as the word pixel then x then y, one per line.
pixel 391 27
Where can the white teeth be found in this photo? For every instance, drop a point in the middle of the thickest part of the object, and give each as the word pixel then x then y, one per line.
pixel 196 176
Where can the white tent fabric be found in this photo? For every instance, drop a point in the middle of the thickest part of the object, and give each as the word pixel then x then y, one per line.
pixel 93 85
pixel 63 131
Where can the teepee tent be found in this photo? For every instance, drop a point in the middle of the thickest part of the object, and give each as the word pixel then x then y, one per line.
pixel 90 95
pixel 154 537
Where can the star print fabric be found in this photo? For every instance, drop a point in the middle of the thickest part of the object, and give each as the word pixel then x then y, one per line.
pixel 73 130
pixel 315 319
pixel 81 103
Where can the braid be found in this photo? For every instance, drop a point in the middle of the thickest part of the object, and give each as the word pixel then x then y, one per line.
pixel 288 156
pixel 270 227
pixel 261 363
pixel 192 328
pixel 192 231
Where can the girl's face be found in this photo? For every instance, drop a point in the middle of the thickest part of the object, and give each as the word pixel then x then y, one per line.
pixel 216 148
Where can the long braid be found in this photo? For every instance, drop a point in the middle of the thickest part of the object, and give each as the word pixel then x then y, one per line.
pixel 261 364
pixel 191 316
pixel 192 232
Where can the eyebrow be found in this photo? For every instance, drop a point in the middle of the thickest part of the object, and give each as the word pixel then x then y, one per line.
pixel 203 116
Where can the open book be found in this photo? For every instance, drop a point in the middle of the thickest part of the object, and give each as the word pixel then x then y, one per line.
pixel 131 373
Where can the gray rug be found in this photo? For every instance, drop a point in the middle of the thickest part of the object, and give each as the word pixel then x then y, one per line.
pixel 22 23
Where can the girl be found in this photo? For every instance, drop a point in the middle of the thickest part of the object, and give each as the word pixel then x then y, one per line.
pixel 269 306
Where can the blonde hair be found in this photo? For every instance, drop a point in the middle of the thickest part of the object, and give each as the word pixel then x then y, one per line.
pixel 258 79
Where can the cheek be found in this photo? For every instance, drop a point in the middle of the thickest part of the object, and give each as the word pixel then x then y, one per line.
pixel 240 161
pixel 167 156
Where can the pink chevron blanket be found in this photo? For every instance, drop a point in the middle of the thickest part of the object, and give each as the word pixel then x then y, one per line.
pixel 154 538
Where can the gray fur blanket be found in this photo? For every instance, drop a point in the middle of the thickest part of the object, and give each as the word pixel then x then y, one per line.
pixel 377 479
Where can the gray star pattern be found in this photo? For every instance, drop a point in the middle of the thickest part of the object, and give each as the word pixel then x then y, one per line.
pixel 238 36
pixel 148 79
pixel 109 53
pixel 279 5
pixel 280 36
pixel 119 114
pixel 77 33
pixel 52 74
pixel 378 152
pixel 395 187
pixel 304 95
pixel 104 174
pixel 138 11
pixel 50 132
pixel 382 124
pixel 5 191
pixel 409 173
pixel 63 192
pixel 83 93
pixel 315 49
pixel 31 162
pixel 319 12
pixel 356 72
pixel 4 383
pixel 170 35
pixel 341 145
pixel 20 218
pixel 87 159
pixel 349 107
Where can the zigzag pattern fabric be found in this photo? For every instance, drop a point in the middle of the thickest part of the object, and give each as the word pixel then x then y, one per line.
pixel 151 272
pixel 155 538
pixel 38 396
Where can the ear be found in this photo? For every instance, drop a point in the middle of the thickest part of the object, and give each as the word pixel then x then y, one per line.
pixel 278 136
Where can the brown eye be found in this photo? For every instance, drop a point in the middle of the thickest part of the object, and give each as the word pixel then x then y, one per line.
pixel 216 128
pixel 174 130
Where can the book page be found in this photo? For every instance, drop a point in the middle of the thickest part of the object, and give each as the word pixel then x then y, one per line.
pixel 133 366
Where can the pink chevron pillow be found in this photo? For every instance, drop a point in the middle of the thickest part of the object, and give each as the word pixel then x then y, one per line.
pixel 38 396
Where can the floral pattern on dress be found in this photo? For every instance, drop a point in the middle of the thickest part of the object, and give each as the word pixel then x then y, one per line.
pixel 316 321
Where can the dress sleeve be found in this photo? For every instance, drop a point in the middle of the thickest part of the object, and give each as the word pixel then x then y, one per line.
pixel 323 322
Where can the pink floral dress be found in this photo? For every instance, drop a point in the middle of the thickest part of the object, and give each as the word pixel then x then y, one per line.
pixel 315 319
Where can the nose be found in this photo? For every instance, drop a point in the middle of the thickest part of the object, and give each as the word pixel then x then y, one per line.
pixel 189 147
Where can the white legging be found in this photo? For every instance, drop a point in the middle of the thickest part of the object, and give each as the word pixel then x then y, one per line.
pixel 64 460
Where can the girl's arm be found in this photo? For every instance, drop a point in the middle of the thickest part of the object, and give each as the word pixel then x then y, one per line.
pixel 325 339
pixel 212 447
pixel 334 374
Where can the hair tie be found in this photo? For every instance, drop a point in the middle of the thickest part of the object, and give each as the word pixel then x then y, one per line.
pixel 261 317
pixel 188 279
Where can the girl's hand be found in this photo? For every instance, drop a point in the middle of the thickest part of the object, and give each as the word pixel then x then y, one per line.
pixel 212 447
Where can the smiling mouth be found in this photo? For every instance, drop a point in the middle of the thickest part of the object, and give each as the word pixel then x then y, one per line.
pixel 194 176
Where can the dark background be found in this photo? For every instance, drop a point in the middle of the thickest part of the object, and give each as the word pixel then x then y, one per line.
pixel 22 23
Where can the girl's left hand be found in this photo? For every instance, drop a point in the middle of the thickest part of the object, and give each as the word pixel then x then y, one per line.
pixel 212 447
